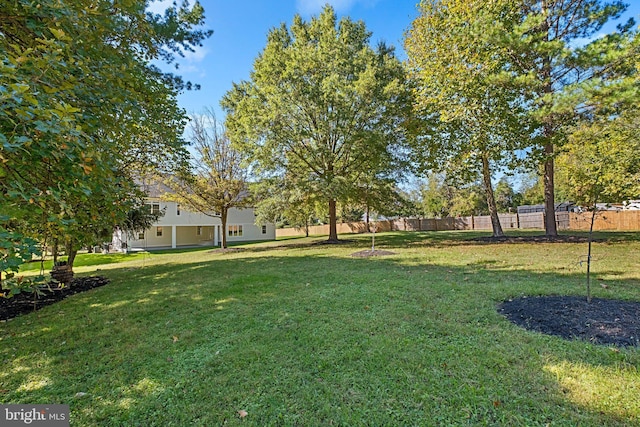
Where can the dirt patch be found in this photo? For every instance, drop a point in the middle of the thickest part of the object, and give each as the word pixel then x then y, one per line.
pixel 370 253
pixel 334 242
pixel 602 321
pixel 226 250
pixel 28 302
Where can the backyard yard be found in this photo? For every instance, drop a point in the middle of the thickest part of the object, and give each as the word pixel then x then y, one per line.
pixel 298 333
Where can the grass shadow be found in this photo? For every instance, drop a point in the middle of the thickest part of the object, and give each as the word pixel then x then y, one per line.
pixel 309 336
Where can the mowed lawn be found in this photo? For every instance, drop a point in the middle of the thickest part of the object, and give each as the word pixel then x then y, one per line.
pixel 294 333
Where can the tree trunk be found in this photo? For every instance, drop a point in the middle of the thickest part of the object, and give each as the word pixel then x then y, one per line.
pixel 549 198
pixel 593 220
pixel 223 219
pixel 54 251
pixel 333 229
pixel 366 219
pixel 491 201
pixel 548 133
pixel 71 253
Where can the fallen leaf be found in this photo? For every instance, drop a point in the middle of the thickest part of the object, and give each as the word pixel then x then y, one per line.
pixel 242 413
pixel 175 338
pixel 80 394
pixel 496 403
pixel 604 286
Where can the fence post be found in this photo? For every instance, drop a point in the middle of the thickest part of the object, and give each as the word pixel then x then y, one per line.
pixel 473 223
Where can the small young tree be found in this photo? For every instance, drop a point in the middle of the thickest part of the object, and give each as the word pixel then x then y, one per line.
pixel 602 165
pixel 601 161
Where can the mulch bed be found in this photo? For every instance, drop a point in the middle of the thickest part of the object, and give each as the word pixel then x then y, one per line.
pixel 369 253
pixel 27 302
pixel 603 321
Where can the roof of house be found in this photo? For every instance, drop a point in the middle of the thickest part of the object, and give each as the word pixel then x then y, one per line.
pixel 153 187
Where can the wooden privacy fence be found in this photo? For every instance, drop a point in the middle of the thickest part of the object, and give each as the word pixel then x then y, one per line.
pixel 606 220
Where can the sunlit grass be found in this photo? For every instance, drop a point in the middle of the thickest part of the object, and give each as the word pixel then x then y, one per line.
pixel 296 333
pixel 608 389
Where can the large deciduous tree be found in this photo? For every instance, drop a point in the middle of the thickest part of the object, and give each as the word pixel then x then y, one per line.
pixel 321 106
pixel 473 120
pixel 216 180
pixel 285 203
pixel 82 109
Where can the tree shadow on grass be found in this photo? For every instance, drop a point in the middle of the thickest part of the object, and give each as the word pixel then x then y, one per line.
pixel 305 339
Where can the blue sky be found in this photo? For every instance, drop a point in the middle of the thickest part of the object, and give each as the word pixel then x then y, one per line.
pixel 240 33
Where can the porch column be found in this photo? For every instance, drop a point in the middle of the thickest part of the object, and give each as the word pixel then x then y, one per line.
pixel 173 236
pixel 215 235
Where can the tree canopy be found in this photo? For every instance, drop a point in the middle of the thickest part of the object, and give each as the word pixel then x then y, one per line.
pixel 322 107
pixel 550 60
pixel 539 56
pixel 83 110
pixel 601 160
pixel 473 120
pixel 216 179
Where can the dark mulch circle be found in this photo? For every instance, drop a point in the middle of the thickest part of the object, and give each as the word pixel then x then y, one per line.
pixel 24 303
pixel 602 321
pixel 534 239
pixel 370 253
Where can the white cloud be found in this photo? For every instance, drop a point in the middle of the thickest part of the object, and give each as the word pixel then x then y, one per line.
pixel 313 7
pixel 159 6
pixel 199 53
pixel 190 64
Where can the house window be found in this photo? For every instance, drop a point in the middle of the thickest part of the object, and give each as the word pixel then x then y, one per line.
pixel 264 229
pixel 178 210
pixel 199 231
pixel 235 231
pixel 141 236
pixel 158 231
pixel 155 208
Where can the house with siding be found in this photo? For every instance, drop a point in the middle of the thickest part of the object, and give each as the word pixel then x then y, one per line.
pixel 179 227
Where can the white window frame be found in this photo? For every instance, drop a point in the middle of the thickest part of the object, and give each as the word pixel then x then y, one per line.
pixel 234 230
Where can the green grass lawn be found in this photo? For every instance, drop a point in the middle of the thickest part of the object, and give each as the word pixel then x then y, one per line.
pixel 301 334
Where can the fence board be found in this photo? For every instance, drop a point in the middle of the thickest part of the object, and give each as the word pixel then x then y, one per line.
pixel 531 220
pixel 608 220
